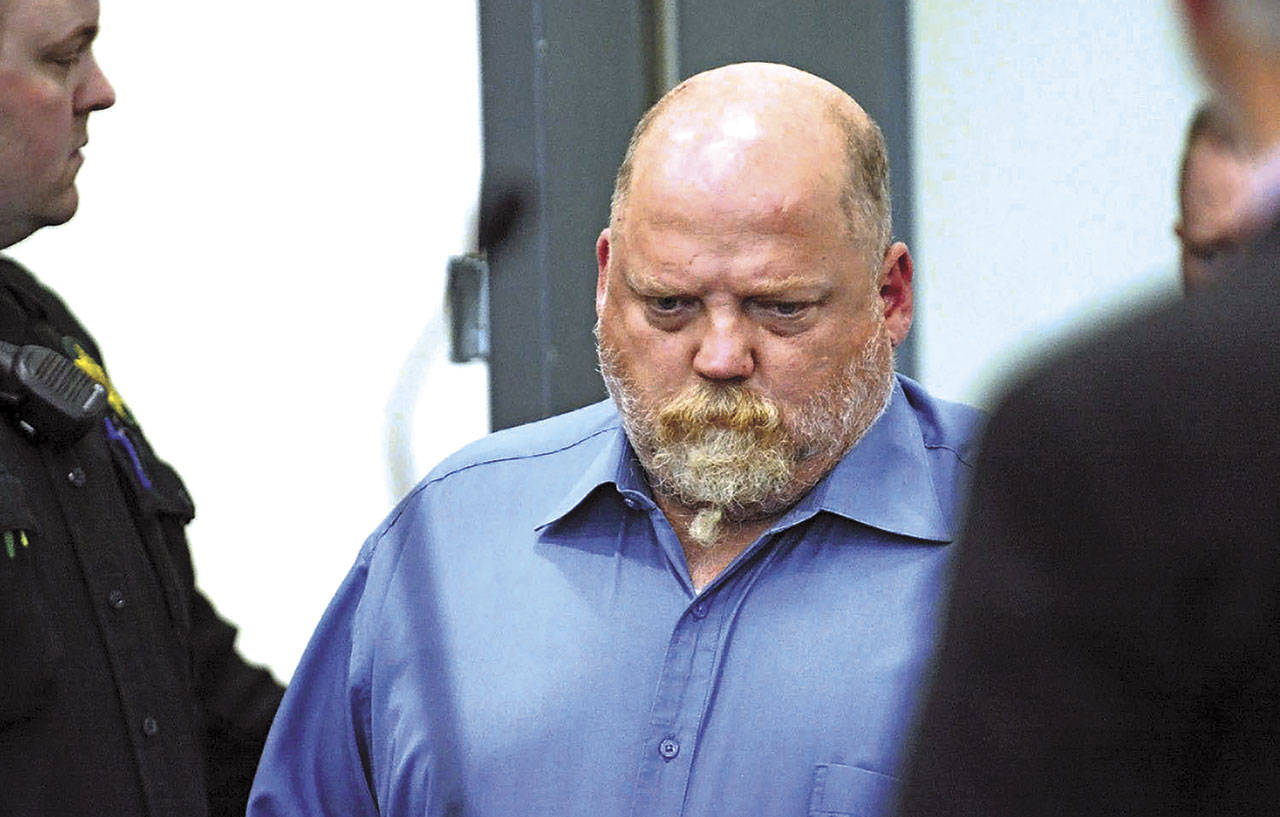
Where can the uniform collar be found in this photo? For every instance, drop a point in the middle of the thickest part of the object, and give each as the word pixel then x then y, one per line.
pixel 884 482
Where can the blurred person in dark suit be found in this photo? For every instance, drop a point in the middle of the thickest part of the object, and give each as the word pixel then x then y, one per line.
pixel 1213 190
pixel 1113 636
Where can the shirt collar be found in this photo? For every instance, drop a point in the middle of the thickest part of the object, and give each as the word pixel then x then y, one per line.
pixel 614 463
pixel 883 482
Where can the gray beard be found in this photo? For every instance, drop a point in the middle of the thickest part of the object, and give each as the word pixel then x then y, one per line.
pixel 725 474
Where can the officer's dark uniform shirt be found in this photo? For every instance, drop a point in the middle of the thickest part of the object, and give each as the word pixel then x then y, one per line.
pixel 121 691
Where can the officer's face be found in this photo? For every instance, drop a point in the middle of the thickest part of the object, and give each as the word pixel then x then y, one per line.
pixel 49 84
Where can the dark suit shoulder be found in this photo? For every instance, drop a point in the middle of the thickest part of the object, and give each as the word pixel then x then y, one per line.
pixel 1198 366
pixel 1111 644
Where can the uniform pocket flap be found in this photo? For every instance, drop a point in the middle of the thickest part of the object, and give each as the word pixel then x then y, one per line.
pixel 847 791
pixel 169 494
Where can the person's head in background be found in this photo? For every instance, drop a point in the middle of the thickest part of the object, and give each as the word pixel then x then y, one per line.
pixel 1237 45
pixel 49 84
pixel 1213 193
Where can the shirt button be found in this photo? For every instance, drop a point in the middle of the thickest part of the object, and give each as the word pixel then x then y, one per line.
pixel 116 599
pixel 150 727
pixel 668 748
pixel 76 477
pixel 700 610
pixel 630 503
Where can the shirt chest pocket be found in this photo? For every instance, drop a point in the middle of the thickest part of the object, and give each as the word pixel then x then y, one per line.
pixel 29 651
pixel 847 791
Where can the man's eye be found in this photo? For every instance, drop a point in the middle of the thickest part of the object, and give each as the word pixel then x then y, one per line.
pixel 63 61
pixel 785 309
pixel 667 303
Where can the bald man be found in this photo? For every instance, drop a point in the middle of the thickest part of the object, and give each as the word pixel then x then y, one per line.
pixel 712 594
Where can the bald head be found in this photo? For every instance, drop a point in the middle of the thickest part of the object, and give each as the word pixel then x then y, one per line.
pixel 763 124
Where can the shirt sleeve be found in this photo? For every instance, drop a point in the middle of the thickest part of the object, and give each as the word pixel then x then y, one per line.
pixel 316 760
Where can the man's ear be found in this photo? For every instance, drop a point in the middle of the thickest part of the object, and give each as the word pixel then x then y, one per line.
pixel 896 293
pixel 602 268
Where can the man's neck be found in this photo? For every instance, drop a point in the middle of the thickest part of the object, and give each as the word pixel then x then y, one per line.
pixel 707 561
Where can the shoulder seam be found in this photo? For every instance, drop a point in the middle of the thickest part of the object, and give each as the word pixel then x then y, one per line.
pixel 422 486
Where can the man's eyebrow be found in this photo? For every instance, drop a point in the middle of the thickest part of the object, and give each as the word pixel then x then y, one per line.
pixel 786 287
pixel 644 283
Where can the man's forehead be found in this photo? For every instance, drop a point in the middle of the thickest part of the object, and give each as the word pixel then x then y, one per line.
pixel 719 162
pixel 759 218
pixel 672 264
pixel 49 18
pixel 724 184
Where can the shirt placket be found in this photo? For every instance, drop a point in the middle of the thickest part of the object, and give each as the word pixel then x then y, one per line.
pixel 680 702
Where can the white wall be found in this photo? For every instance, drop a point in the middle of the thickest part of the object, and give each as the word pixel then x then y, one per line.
pixel 1047 141
pixel 268 211
pixel 266 218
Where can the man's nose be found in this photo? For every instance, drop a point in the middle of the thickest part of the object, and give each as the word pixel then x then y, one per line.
pixel 95 92
pixel 725 351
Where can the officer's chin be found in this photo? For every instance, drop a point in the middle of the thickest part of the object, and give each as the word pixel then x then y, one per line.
pixel 61 208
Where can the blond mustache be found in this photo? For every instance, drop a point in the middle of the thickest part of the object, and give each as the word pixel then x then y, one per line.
pixel 732 408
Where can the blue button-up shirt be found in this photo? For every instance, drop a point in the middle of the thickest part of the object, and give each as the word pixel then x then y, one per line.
pixel 521 637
